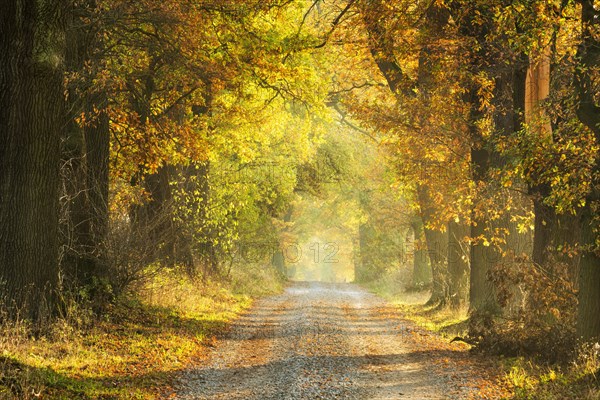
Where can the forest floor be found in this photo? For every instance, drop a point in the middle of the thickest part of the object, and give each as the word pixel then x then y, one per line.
pixel 336 341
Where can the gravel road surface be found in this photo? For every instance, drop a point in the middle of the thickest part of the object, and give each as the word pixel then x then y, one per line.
pixel 328 341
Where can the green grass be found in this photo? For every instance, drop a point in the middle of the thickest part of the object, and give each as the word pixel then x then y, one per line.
pixel 532 381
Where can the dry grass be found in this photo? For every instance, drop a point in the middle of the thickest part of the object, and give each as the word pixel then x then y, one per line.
pixel 134 351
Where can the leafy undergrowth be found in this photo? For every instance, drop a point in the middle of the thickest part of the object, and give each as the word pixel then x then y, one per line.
pixel 133 351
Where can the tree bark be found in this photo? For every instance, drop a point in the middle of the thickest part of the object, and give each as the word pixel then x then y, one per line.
pixel 482 293
pixel 588 111
pixel 31 107
pixel 437 249
pixel 483 256
pixel 484 253
pixel 588 319
pixel 97 140
pixel 555 237
pixel 381 46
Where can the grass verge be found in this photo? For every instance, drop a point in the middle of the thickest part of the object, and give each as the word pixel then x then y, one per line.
pixel 133 351
pixel 412 304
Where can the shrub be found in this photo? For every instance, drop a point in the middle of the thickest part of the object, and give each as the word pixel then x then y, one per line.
pixel 540 317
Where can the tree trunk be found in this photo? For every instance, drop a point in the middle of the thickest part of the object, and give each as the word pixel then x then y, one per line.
pixel 508 94
pixel 278 262
pixel 31 107
pixel 555 238
pixel 458 264
pixel 421 268
pixel 436 248
pixel 537 89
pixel 208 252
pixel 86 183
pixel 482 294
pixel 363 270
pixel 588 319
pixel 97 140
pixel 549 228
pixel 86 158
pixel 588 111
pixel 544 226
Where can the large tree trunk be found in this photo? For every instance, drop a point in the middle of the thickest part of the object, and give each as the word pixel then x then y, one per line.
pixel 588 320
pixel 86 184
pixel 437 242
pixel 536 91
pixel 31 107
pixel 484 254
pixel 544 226
pixel 551 231
pixel 508 81
pixel 588 111
pixel 555 237
pixel 97 140
pixel 482 293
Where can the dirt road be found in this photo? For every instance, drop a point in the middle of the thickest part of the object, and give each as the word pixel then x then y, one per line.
pixel 332 341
